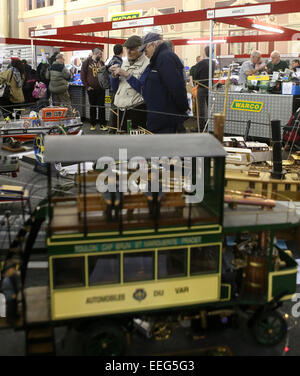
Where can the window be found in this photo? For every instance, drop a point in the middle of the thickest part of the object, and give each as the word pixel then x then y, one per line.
pixel 252 184
pixel 204 259
pixel 76 23
pixel 68 272
pixel 29 4
pixel 172 263
pixel 167 10
pixel 57 114
pixel 138 266
pixel 48 114
pixel 104 270
pixel 40 3
pixel 98 19
pixel 30 30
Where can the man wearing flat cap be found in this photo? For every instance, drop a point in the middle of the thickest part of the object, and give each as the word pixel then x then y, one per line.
pixel 10 288
pixel 162 86
pixel 130 103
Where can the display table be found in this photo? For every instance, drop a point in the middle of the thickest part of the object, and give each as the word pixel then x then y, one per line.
pixel 260 109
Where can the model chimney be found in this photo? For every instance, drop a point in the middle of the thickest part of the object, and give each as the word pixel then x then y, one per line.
pixel 277 155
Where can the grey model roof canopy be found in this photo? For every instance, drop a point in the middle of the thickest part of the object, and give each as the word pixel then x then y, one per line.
pixel 91 148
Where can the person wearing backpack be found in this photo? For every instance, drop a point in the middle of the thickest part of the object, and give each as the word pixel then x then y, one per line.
pixel 43 71
pixel 89 76
pixel 104 73
pixel 118 56
pixel 14 78
pixel 59 77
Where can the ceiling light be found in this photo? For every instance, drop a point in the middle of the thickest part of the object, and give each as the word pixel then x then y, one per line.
pixel 268 28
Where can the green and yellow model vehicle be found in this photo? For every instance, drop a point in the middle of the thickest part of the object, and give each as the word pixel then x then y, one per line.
pixel 120 259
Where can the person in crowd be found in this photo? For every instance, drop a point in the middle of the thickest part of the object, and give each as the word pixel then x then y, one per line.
pixel 162 86
pixel 116 60
pixel 295 65
pixel 130 103
pixel 13 77
pixel 44 67
pixel 192 70
pixel 59 77
pixel 10 288
pixel 76 64
pixel 89 77
pixel 276 64
pixel 252 66
pixel 30 79
pixel 201 76
pixel 43 72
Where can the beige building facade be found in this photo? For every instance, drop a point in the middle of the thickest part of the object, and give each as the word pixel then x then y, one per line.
pixel 44 14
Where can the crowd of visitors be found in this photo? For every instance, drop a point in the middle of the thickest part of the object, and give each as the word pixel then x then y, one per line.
pixel 147 88
pixel 23 85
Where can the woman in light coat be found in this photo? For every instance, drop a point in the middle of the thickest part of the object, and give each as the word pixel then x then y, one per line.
pixel 14 78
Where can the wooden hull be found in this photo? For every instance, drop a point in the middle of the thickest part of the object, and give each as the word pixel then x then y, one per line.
pixel 287 189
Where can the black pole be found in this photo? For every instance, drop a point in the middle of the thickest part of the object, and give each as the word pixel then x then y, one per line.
pixel 84 203
pixel 49 177
pixel 107 44
pixel 7 215
pixel 121 224
pixel 248 126
pixel 277 154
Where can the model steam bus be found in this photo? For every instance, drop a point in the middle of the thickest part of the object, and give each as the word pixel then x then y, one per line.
pixel 119 260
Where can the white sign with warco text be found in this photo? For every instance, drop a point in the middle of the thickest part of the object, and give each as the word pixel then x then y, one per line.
pixel 133 23
pixel 43 33
pixel 239 11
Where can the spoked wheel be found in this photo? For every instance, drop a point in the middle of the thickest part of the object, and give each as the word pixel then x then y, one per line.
pixel 161 331
pixel 39 148
pixel 270 328
pixel 11 142
pixel 39 143
pixel 105 340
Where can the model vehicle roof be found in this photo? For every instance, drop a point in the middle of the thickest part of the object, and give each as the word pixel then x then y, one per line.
pixel 91 148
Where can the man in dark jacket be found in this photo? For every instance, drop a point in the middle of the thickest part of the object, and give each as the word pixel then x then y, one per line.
pixel 201 74
pixel 89 77
pixel 162 86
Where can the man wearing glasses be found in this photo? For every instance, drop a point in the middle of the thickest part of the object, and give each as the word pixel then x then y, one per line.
pixel 130 103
